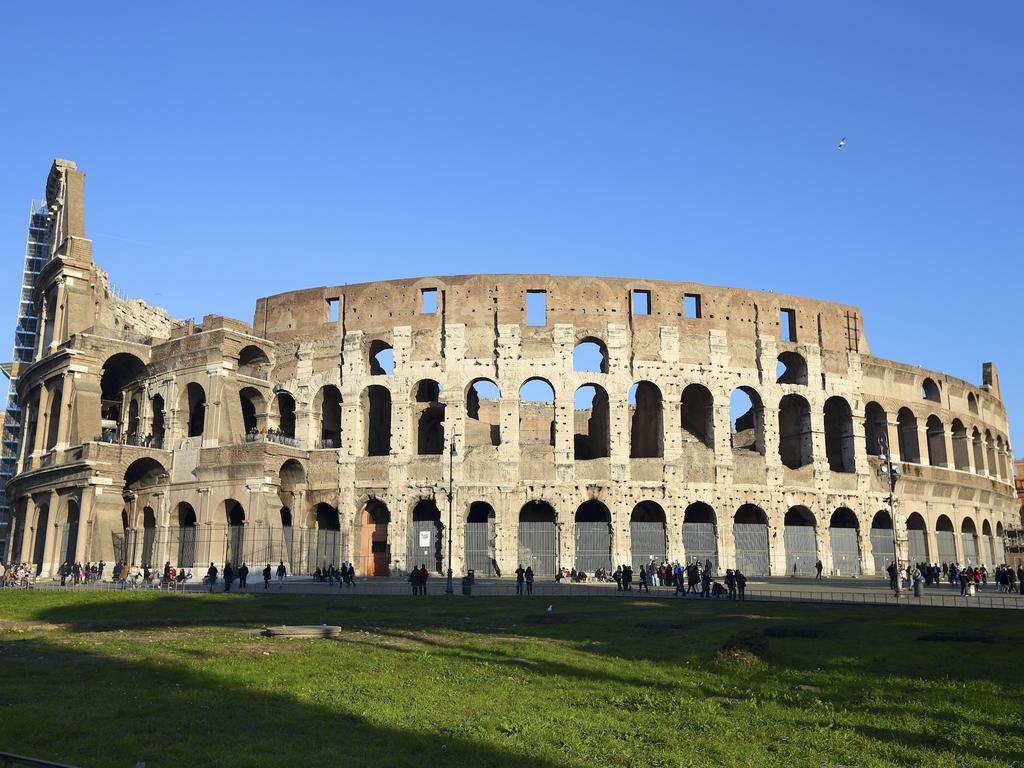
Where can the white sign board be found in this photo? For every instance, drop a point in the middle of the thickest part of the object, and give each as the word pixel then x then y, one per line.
pixel 424 538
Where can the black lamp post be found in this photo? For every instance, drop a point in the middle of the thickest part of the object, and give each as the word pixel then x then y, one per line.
pixel 449 589
pixel 892 473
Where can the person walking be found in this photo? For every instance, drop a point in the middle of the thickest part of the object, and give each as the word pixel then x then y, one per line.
pixel 282 572
pixel 229 576
pixel 818 567
pixel 267 575
pixel 627 578
pixel 211 576
pixel 643 581
pixel 423 579
pixel 414 580
pixel 520 578
pixel 529 580
pixel 741 584
pixel 243 574
pixel 618 578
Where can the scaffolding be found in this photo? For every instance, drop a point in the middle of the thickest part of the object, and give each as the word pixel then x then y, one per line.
pixel 37 252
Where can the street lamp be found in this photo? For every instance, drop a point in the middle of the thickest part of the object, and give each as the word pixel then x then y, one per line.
pixel 891 472
pixel 449 589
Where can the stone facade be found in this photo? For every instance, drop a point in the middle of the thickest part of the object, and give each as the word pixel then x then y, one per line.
pixel 297 438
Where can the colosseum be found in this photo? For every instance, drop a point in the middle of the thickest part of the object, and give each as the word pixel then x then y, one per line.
pixel 555 421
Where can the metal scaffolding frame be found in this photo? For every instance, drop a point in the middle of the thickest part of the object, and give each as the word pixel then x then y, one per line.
pixel 37 253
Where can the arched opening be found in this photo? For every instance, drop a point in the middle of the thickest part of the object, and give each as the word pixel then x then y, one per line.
pixel 1004 470
pixel 426 536
pixel 961 453
pixel 791 368
pixel 796 448
pixel 253 409
pixel 936 433
pixel 906 428
pixel 39 549
pixel 329 549
pixel 987 553
pixel 234 515
pixel 376 408
pixel 382 358
pixel 646 432
pixel 750 534
pixel 186 535
pixel 479 539
pixel 122 373
pixel 882 552
pixel 945 539
pixel 157 432
pixel 839 435
pixel 286 552
pixel 590 356
pixel 697 415
pixel 998 545
pixel 141 477
pixel 53 418
pixel 133 422
pixel 969 542
pixel 284 414
pixel 148 537
pixel 990 453
pixel 801 543
pixel 538 540
pixel 33 419
pixel 194 407
pixel 253 362
pixel 930 391
pixel 69 537
pixel 536 413
pixel 592 435
pixel 483 414
pixel 700 534
pixel 327 405
pixel 746 414
pixel 917 539
pixel 842 534
pixel 978 447
pixel 428 416
pixel 647 534
pixel 374 548
pixel 593 537
pixel 972 403
pixel 876 429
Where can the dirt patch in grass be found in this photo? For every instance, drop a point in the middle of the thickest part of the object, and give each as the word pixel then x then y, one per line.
pixel 806 633
pixel 747 648
pixel 958 637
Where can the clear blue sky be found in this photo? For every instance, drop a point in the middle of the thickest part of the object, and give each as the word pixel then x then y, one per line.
pixel 235 152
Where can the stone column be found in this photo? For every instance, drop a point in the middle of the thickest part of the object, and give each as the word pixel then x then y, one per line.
pixel 85 526
pixel 58 316
pixel 64 416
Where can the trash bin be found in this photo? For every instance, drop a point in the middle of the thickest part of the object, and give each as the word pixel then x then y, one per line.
pixel 471 574
pixel 918 588
pixel 467 585
pixel 970 589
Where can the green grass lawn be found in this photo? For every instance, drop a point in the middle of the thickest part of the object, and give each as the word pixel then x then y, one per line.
pixel 114 679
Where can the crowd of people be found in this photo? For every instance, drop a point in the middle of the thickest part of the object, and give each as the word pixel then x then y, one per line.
pixel 345 575
pixel 694 578
pixel 965 577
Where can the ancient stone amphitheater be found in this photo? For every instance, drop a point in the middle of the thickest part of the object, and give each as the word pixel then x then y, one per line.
pixel 581 421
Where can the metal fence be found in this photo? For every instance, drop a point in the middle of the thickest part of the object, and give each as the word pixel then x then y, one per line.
pixel 593 546
pixel 881 549
pixel 751 548
pixel 845 551
pixel 917 546
pixel 946 541
pixel 801 549
pixel 479 552
pixel 647 543
pixel 538 547
pixel 425 544
pixel 700 542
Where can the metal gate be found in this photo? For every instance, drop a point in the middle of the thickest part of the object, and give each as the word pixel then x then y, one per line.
pixel 700 542
pixel 985 551
pixel 647 543
pixel 538 547
pixel 425 545
pixel 119 542
pixel 881 549
pixel 917 546
pixel 970 545
pixel 236 545
pixel 751 548
pixel 801 549
pixel 845 551
pixel 148 539
pixel 187 546
pixel 327 548
pixel 478 553
pixel 998 550
pixel 69 542
pixel 947 546
pixel 593 546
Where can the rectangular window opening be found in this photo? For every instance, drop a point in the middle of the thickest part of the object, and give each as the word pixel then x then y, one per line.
pixel 787 319
pixel 691 305
pixel 641 302
pixel 428 300
pixel 536 307
pixel 333 307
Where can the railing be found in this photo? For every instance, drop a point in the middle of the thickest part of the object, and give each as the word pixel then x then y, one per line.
pixel 138 441
pixel 328 444
pixel 267 437
pixel 7 760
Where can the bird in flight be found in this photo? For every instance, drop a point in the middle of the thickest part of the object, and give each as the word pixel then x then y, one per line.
pixel 842 143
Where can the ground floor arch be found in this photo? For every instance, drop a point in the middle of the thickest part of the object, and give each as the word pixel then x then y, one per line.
pixel 945 539
pixel 70 533
pixel 426 537
pixel 328 545
pixel 969 542
pixel 801 542
pixel 538 538
pixel 844 541
pixel 593 537
pixel 917 539
pixel 750 535
pixel 374 546
pixel 882 553
pixel 647 539
pixel 478 540
pixel 700 535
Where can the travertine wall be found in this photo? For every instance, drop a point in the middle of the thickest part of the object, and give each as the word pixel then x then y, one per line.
pixel 192 396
